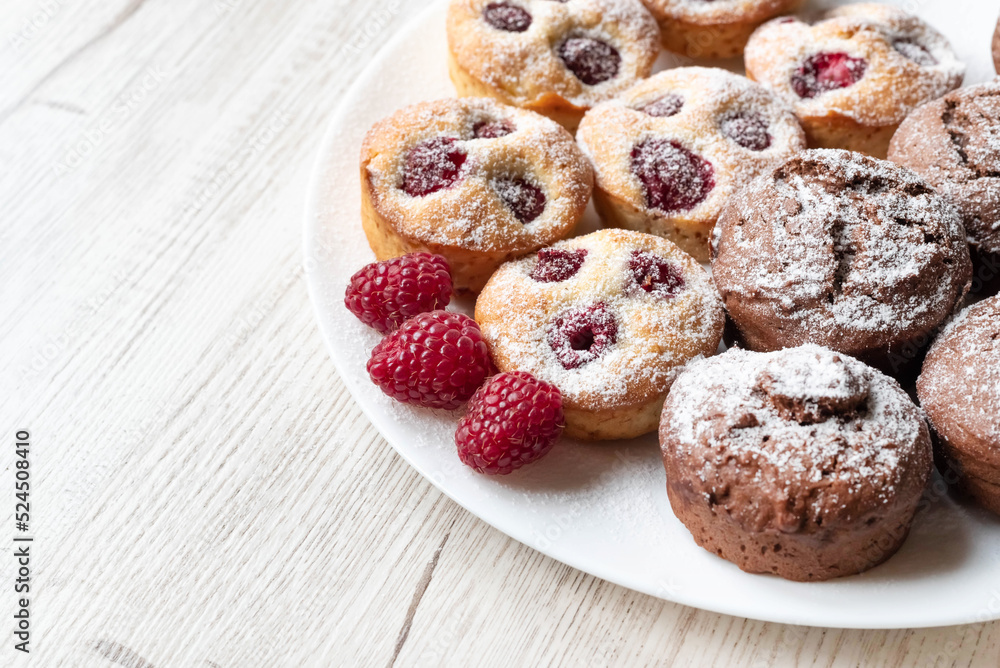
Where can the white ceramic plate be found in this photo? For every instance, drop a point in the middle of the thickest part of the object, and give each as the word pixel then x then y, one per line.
pixel 602 508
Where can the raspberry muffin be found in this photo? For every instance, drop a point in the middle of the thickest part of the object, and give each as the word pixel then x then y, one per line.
pixel 841 250
pixel 609 318
pixel 855 76
pixel 472 180
pixel 959 389
pixel 719 29
pixel 954 143
pixel 803 463
pixel 670 151
pixel 554 57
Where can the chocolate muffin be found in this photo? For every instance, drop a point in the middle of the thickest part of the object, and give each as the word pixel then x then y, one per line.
pixel 954 143
pixel 803 463
pixel 959 389
pixel 841 250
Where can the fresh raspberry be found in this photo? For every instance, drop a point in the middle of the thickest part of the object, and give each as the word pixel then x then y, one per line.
pixel 825 72
pixel 384 294
pixel 513 420
pixel 435 359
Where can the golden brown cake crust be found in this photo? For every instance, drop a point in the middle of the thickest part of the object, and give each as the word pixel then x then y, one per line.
pixel 553 106
pixel 802 463
pixel 611 130
pixel 717 29
pixel 618 392
pixel 861 116
pixel 524 68
pixel 469 222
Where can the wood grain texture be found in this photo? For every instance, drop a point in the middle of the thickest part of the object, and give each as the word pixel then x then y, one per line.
pixel 206 493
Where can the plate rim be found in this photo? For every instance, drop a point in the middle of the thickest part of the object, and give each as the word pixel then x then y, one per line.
pixel 311 233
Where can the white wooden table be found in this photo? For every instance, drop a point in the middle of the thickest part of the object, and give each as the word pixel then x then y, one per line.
pixel 204 490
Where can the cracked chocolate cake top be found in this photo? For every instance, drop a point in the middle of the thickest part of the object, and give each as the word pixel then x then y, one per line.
pixel 843 250
pixel 954 143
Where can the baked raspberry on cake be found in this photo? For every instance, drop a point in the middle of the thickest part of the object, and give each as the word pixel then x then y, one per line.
pixel 474 181
pixel 854 76
pixel 669 152
pixel 954 143
pixel 841 250
pixel 959 388
pixel 608 318
pixel 803 463
pixel 554 57
pixel 713 28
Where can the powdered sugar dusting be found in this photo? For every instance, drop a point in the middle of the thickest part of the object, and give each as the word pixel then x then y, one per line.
pixel 718 409
pixel 519 190
pixel 895 79
pixel 954 142
pixel 961 378
pixel 655 334
pixel 720 11
pixel 837 240
pixel 707 100
pixel 804 376
pixel 526 66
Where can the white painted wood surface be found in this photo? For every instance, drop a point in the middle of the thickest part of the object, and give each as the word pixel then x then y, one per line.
pixel 205 491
